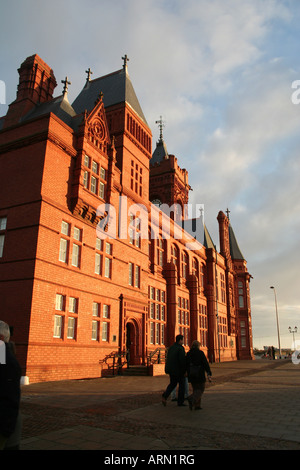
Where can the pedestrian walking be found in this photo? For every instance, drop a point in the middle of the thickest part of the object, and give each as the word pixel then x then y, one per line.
pixel 186 390
pixel 10 394
pixel 176 368
pixel 197 365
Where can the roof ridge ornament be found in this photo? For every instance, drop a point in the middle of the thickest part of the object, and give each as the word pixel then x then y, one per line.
pixel 66 83
pixel 125 60
pixel 89 73
pixel 100 97
pixel 161 125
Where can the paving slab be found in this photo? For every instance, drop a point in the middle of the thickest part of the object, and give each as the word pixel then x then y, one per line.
pixel 249 405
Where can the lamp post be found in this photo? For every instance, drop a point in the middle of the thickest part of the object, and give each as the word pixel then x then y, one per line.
pixel 293 331
pixel 272 287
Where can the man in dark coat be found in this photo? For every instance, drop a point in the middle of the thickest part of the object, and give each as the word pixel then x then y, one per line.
pixel 176 368
pixel 10 390
pixel 197 365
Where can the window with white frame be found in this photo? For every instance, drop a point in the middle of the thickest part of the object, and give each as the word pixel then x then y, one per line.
pixel 103 173
pixel 86 179
pixel 95 330
pixel 157 315
pixel 184 319
pixel 95 167
pixel 77 234
pixel 93 184
pixel 105 328
pixel 108 260
pixel 99 256
pixel 102 190
pixel 73 302
pixel 93 180
pixel 75 255
pixel 98 263
pixel 60 302
pixel 96 311
pixel 137 278
pixel 105 311
pixel 71 328
pixel 160 252
pixel 130 279
pixel 134 279
pixel 65 228
pixel 185 265
pixel 58 326
pixel 64 242
pixel 203 324
pixel 76 248
pixel 63 250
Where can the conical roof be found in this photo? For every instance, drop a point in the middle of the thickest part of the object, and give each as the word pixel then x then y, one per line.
pixel 235 251
pixel 160 153
pixel 208 242
pixel 197 229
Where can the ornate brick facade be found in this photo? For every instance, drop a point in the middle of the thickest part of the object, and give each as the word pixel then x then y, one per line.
pixel 89 267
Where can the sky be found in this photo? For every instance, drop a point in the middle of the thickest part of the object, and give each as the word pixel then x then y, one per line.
pixel 221 75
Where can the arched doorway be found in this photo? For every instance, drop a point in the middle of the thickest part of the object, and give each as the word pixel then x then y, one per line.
pixel 132 343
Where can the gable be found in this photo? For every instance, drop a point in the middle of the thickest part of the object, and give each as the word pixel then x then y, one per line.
pixel 96 124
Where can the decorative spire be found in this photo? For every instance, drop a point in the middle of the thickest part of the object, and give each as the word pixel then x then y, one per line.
pixel 100 97
pixel 66 83
pixel 227 212
pixel 161 124
pixel 89 73
pixel 125 59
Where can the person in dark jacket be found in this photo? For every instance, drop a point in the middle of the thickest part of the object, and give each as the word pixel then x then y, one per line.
pixel 10 393
pixel 176 368
pixel 196 360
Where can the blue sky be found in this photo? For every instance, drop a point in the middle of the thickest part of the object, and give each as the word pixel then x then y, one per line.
pixel 220 73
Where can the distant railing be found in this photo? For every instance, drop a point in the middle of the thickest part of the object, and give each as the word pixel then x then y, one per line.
pixel 158 356
pixel 115 361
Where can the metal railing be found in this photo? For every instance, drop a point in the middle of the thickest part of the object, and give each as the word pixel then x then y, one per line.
pixel 118 358
pixel 158 356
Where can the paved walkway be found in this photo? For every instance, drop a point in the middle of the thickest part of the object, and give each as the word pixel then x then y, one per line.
pixel 249 405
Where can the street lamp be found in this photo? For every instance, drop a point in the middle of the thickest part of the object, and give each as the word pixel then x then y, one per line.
pixel 272 287
pixel 293 331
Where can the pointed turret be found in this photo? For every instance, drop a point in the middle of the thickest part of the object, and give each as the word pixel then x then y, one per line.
pixel 161 152
pixel 235 251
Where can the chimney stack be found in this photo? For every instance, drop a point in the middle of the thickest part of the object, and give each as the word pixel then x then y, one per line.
pixel 36 85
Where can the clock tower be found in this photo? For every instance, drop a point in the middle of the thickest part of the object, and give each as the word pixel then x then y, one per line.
pixel 168 182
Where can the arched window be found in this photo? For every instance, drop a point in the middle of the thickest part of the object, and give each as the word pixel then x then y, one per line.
pixel 175 259
pixel 160 252
pixel 195 267
pixel 185 265
pixel 195 271
pixel 174 254
pixel 202 276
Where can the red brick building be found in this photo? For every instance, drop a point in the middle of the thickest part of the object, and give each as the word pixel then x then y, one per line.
pixel 89 267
